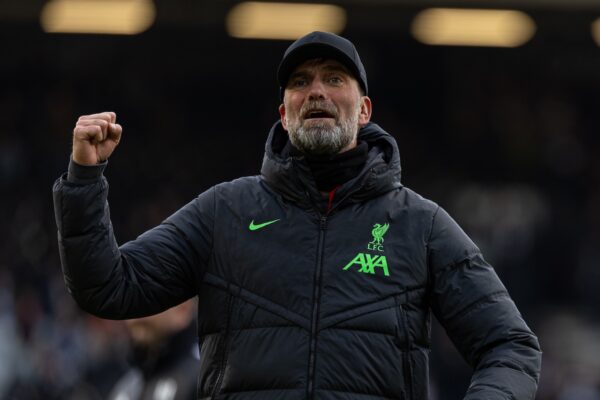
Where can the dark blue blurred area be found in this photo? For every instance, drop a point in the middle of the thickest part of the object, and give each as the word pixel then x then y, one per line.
pixel 507 140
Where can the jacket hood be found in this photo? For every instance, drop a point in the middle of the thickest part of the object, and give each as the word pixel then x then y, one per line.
pixel 291 175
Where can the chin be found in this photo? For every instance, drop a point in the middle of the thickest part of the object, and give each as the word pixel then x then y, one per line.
pixel 319 123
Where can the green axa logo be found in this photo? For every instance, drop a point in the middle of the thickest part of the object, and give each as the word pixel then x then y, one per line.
pixel 367 262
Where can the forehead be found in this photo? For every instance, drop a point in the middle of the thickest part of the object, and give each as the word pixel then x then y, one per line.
pixel 320 64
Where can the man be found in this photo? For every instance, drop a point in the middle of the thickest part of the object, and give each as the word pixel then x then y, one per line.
pixel 164 357
pixel 316 279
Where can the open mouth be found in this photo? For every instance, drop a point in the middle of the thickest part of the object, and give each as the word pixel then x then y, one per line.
pixel 314 114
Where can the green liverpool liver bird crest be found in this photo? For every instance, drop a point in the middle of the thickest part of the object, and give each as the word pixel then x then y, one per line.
pixel 378 232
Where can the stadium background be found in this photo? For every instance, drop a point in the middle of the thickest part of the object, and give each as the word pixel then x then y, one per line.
pixel 506 139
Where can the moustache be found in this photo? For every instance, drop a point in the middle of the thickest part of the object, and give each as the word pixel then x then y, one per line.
pixel 319 108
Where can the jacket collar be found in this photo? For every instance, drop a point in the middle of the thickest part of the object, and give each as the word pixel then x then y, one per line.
pixel 291 176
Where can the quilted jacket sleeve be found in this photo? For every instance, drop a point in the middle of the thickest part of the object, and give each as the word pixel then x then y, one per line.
pixel 158 270
pixel 480 318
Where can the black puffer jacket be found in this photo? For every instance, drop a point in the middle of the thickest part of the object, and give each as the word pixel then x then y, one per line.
pixel 315 304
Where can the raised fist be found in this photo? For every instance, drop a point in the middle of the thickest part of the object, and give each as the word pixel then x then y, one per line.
pixel 95 137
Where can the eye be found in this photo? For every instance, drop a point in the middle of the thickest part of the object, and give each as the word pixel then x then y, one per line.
pixel 335 80
pixel 298 82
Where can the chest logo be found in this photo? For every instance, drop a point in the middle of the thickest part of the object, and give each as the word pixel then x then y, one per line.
pixel 255 227
pixel 378 232
pixel 368 262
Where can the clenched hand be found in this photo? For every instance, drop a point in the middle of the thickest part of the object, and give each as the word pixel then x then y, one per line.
pixel 95 137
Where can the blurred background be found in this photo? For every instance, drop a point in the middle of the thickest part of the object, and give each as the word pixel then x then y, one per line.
pixel 496 113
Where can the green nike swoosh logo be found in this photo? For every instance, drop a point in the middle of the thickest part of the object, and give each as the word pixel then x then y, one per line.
pixel 254 227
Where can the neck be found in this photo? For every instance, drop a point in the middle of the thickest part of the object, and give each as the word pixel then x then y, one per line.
pixel 350 146
pixel 332 171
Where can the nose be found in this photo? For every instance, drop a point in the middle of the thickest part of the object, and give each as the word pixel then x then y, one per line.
pixel 316 90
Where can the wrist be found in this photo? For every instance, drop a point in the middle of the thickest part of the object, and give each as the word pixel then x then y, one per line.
pixel 84 173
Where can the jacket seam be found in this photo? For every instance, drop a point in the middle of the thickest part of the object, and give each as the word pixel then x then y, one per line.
pixel 452 264
pixel 367 310
pixel 493 386
pixel 431 225
pixel 212 235
pixel 468 309
pixel 363 331
pixel 225 355
pixel 314 323
pixel 362 313
pixel 359 393
pixel 249 329
pixel 62 216
pixel 154 280
pixel 155 259
pixel 509 366
pixel 238 294
pixel 429 269
pixel 212 242
pixel 260 390
pixel 406 360
pixel 96 229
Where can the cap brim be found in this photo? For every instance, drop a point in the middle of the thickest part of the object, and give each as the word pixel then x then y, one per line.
pixel 310 51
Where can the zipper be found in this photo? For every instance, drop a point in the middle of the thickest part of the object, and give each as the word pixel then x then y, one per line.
pixel 312 358
pixel 406 366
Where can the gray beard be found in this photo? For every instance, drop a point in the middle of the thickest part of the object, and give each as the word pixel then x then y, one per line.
pixel 322 139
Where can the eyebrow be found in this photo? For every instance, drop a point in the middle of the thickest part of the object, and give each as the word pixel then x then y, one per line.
pixel 297 74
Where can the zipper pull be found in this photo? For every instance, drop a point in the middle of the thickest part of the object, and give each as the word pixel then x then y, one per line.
pixel 323 223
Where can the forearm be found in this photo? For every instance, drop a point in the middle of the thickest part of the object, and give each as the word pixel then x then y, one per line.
pixel 479 316
pixel 502 380
pixel 489 332
pixel 105 280
pixel 503 351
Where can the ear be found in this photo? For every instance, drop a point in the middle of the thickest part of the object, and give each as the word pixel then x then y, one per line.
pixel 366 107
pixel 282 116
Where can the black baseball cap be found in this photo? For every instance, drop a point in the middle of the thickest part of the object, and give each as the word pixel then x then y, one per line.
pixel 321 45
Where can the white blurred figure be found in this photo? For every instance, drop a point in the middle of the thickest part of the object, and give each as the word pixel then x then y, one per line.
pixel 11 347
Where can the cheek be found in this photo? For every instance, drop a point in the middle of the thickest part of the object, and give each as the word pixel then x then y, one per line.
pixel 349 109
pixel 293 109
pixel 348 104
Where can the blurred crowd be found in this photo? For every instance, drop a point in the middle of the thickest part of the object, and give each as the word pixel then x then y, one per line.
pixel 509 148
